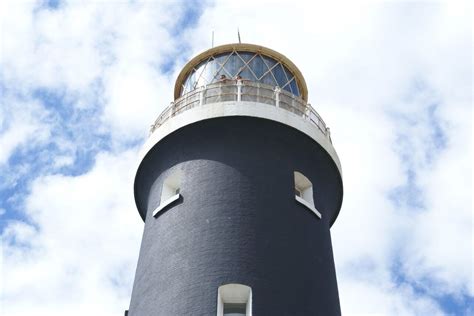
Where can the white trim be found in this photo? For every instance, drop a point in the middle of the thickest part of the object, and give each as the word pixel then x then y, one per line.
pixel 308 205
pixel 166 203
pixel 171 185
pixel 234 293
pixel 304 187
pixel 243 108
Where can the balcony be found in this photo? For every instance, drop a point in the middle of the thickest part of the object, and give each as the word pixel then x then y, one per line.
pixel 242 91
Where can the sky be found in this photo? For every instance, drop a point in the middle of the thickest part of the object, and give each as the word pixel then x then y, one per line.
pixel 82 81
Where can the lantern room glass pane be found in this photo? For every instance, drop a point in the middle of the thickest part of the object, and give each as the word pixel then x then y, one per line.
pixel 209 71
pixel 246 55
pixel 201 82
pixel 288 73
pixel 279 75
pixel 269 61
pixel 294 87
pixel 221 59
pixel 258 67
pixel 268 79
pixel 233 65
pixel 221 74
pixel 188 85
pixel 246 74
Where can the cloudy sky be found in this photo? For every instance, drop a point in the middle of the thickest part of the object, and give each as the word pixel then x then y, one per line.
pixel 81 82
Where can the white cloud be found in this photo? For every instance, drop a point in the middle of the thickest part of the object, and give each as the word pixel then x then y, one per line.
pixel 75 221
pixel 21 124
pixel 134 93
pixel 62 161
pixel 378 298
pixel 442 245
pixel 104 54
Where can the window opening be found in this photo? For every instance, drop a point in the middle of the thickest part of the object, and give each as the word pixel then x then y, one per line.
pixel 304 192
pixel 235 309
pixel 170 191
pixel 234 300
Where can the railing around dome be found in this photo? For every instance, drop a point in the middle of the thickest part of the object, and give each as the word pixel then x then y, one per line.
pixel 242 90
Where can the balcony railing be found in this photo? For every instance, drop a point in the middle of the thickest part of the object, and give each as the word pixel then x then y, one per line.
pixel 242 90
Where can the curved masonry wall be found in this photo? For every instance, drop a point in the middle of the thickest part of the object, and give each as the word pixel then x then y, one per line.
pixel 237 220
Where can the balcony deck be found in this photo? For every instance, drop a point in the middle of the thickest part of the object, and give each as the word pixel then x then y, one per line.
pixel 241 91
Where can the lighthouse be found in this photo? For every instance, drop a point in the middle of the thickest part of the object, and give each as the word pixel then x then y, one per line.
pixel 238 186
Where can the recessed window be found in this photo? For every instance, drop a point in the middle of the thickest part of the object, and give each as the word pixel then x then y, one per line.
pixel 235 309
pixel 171 186
pixel 298 192
pixel 170 191
pixel 304 192
pixel 234 300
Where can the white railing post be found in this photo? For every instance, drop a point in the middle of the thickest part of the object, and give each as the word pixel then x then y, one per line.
pixel 277 96
pixel 239 90
pixel 201 95
pixel 307 111
pixel 171 109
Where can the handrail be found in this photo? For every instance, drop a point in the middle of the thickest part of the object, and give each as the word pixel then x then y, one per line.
pixel 241 91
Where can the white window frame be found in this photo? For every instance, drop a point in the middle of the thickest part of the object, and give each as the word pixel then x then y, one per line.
pixel 234 293
pixel 305 188
pixel 170 191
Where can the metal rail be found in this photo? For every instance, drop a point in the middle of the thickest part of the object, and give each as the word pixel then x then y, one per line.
pixel 242 90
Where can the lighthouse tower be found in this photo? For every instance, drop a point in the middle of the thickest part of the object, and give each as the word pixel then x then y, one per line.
pixel 238 186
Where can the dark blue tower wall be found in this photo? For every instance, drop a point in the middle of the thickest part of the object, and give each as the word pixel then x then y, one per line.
pixel 237 221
